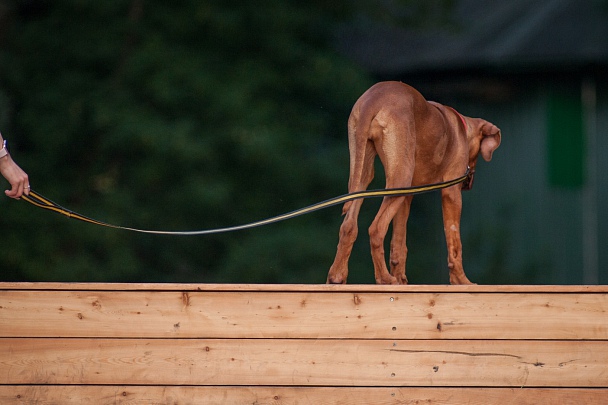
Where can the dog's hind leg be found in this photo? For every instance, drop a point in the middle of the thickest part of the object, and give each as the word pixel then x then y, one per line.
pixel 396 148
pixel 361 175
pixel 338 272
pixel 398 242
pixel 377 232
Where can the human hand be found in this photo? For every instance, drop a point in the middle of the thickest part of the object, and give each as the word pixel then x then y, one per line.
pixel 16 177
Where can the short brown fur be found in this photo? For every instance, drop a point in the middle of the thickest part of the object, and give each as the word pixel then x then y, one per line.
pixel 419 142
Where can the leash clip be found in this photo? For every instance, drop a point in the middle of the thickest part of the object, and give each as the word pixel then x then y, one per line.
pixel 467 184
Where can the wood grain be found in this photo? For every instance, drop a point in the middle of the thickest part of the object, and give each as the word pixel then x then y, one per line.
pixel 55 286
pixel 305 362
pixel 145 395
pixel 73 343
pixel 335 315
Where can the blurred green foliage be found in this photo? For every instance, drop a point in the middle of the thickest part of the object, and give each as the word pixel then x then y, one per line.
pixel 177 115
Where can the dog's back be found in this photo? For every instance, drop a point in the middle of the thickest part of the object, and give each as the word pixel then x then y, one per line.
pixel 385 121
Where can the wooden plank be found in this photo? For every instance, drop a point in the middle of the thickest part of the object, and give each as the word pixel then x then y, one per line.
pixel 305 287
pixel 432 363
pixel 303 315
pixel 116 395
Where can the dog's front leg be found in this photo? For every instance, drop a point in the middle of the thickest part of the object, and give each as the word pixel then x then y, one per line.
pixel 399 242
pixel 451 201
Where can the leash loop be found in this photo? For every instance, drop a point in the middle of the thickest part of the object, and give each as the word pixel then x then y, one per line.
pixel 40 201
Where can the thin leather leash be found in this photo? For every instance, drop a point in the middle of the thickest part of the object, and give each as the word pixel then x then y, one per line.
pixel 40 201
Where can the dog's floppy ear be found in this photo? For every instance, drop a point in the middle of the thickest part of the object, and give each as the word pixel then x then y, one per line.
pixel 490 139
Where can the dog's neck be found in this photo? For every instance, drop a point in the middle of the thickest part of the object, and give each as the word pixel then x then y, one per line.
pixel 464 123
pixel 440 107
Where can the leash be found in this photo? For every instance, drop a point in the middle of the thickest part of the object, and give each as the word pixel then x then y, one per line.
pixel 40 201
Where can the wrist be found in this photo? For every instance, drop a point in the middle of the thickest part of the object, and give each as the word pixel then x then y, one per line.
pixel 4 151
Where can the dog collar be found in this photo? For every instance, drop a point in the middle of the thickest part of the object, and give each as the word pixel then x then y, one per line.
pixel 464 123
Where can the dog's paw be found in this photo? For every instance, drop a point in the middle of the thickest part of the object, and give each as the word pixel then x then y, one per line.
pixel 461 280
pixel 387 279
pixel 336 279
pixel 401 279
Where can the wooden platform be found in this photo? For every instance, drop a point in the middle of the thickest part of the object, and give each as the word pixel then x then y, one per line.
pixel 305 344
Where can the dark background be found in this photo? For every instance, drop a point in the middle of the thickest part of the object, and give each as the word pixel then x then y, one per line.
pixel 190 115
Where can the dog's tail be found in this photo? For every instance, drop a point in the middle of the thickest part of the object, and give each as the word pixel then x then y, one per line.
pixel 362 151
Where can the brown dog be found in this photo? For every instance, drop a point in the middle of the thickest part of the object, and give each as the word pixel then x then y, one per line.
pixel 419 142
